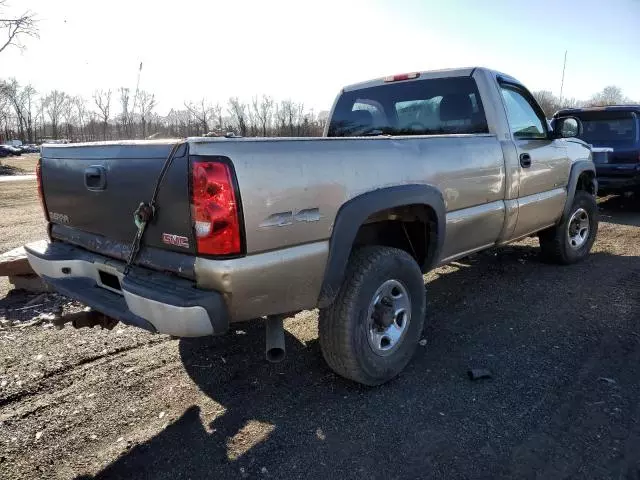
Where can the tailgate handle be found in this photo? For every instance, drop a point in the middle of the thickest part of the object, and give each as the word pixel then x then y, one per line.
pixel 95 178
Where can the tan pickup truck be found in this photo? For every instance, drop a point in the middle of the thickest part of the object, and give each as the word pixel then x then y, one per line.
pixel 414 171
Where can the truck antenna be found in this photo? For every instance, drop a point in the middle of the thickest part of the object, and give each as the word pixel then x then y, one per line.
pixel 564 66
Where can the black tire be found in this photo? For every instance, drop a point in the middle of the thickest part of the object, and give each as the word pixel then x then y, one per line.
pixel 555 242
pixel 344 327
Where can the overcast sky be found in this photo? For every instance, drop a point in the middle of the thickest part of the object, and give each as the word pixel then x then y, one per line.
pixel 307 50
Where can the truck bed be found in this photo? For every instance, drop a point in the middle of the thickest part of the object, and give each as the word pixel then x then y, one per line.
pixel 297 183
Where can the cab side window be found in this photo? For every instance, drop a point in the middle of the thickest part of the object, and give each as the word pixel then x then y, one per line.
pixel 523 118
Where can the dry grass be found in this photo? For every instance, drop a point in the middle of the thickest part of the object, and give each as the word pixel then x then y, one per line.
pixel 25 162
pixel 21 219
pixel 20 213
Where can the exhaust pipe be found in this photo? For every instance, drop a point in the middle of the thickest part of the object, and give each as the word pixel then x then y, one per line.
pixel 275 351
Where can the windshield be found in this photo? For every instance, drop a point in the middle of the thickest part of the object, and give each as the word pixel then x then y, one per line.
pixel 609 129
pixel 419 107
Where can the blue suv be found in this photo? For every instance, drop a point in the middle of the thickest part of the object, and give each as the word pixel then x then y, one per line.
pixel 614 132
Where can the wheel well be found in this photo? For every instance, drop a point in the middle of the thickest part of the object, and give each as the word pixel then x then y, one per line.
pixel 586 182
pixel 412 228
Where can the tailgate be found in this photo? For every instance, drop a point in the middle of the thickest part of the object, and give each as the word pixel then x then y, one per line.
pixel 95 188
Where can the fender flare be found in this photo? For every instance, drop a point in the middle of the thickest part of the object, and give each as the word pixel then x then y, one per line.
pixel 354 213
pixel 578 168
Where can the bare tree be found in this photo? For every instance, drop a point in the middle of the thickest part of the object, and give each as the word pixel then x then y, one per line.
pixel 81 114
pixel 125 115
pixel 172 121
pixel 571 103
pixel 40 115
pixel 53 104
pixel 216 111
pixel 299 116
pixel 146 103
pixel 22 101
pixel 91 125
pixel 322 119
pixel 4 119
pixel 280 117
pixel 68 115
pixel 238 113
pixel 12 91
pixel 252 121
pixel 13 29
pixel 263 111
pixel 201 112
pixel 610 95
pixel 290 111
pixel 29 105
pixel 102 100
pixel 547 101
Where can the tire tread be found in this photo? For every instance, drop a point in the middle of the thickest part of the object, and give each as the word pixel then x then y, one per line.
pixel 334 329
pixel 553 241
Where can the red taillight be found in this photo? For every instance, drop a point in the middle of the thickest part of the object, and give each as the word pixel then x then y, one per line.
pixel 402 76
pixel 214 210
pixel 40 189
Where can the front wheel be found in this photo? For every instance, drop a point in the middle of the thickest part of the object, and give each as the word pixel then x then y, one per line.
pixel 371 330
pixel 571 240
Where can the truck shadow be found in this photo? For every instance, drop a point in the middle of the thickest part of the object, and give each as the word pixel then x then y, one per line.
pixel 546 332
pixel 620 210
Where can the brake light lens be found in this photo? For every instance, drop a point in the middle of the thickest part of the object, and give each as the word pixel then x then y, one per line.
pixel 214 210
pixel 40 189
pixel 402 76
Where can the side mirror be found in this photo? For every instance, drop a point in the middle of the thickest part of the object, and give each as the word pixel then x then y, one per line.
pixel 566 127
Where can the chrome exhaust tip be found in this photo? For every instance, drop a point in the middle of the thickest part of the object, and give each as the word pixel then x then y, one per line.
pixel 275 349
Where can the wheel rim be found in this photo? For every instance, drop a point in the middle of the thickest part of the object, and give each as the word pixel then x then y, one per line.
pixel 578 229
pixel 388 317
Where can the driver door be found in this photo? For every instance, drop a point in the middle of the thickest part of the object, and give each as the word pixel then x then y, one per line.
pixel 544 162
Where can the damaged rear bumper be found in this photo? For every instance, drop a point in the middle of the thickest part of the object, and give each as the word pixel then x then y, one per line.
pixel 158 302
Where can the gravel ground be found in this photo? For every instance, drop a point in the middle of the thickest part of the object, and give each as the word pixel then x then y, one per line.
pixel 563 344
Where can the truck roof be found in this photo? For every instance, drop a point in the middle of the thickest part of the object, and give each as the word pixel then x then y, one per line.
pixel 613 108
pixel 429 74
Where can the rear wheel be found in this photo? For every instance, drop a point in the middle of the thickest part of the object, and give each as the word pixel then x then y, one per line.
pixel 371 330
pixel 572 239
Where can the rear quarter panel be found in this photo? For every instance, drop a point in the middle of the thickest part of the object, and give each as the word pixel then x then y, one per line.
pixel 280 178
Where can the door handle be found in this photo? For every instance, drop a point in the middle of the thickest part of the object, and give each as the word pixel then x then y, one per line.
pixel 525 160
pixel 95 178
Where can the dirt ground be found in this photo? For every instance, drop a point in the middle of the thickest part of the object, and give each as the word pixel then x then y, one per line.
pixel 563 344
pixel 23 164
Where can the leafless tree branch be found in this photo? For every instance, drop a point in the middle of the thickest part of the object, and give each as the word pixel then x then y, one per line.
pixel 102 100
pixel 15 29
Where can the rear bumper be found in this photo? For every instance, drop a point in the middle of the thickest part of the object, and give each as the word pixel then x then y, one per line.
pixel 158 302
pixel 615 184
pixel 618 177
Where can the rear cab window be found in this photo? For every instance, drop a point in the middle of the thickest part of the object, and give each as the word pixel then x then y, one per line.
pixel 609 128
pixel 417 107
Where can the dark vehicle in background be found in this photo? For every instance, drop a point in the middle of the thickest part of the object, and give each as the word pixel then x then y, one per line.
pixel 12 150
pixel 614 132
pixel 29 148
pixel 9 150
pixel 5 152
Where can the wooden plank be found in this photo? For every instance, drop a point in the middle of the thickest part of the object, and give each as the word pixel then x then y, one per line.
pixel 14 262
pixel 30 283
